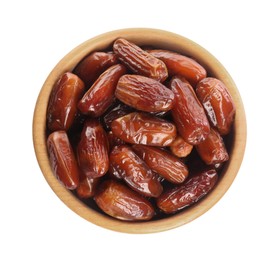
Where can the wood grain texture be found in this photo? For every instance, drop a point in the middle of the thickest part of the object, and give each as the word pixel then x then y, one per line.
pixel 158 39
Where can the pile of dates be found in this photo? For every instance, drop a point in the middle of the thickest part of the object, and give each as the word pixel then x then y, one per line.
pixel 138 133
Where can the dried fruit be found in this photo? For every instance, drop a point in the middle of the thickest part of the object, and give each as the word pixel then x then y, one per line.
pixel 212 150
pixel 92 150
pixel 113 140
pixel 62 159
pixel 134 171
pixel 180 148
pixel 120 202
pixel 218 104
pixel 93 65
pixel 101 94
pixel 140 61
pixel 115 112
pixel 179 197
pixel 163 163
pixel 188 113
pixel 142 128
pixel 87 187
pixel 144 93
pixel 178 64
pixel 152 123
pixel 62 107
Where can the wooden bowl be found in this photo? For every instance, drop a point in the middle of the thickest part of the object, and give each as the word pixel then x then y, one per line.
pixel 158 39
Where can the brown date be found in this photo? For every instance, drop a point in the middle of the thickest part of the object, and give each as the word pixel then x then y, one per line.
pixel 62 107
pixel 134 171
pixel 180 148
pixel 116 111
pixel 62 159
pixel 188 113
pixel 139 61
pixel 144 93
pixel 212 150
pixel 93 65
pixel 218 103
pixel 87 186
pixel 142 128
pixel 163 163
pixel 188 193
pixel 120 202
pixel 92 150
pixel 113 140
pixel 178 64
pixel 101 94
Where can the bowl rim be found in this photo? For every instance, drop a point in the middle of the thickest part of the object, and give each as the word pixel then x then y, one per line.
pixel 140 36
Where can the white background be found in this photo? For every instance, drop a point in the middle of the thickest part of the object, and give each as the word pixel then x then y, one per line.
pixel 35 35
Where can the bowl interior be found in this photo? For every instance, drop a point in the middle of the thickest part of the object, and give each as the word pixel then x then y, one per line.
pixel 159 39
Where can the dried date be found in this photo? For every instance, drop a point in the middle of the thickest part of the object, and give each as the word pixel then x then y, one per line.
pixel 101 94
pixel 188 113
pixel 142 128
pixel 92 66
pixel 163 163
pixel 134 171
pixel 92 150
pixel 180 148
pixel 212 150
pixel 218 104
pixel 62 107
pixel 118 201
pixel 192 190
pixel 62 159
pixel 178 64
pixel 140 61
pixel 144 93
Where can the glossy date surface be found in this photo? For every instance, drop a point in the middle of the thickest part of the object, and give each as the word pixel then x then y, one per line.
pixel 119 201
pixel 134 171
pixel 102 93
pixel 218 104
pixel 143 93
pixel 93 65
pixel 92 150
pixel 188 193
pixel 162 162
pixel 141 128
pixel 62 159
pixel 188 113
pixel 62 107
pixel 140 61
pixel 178 64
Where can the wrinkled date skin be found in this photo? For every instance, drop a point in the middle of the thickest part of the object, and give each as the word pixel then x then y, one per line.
pixel 62 159
pixel 163 163
pixel 113 140
pixel 188 193
pixel 101 94
pixel 144 93
pixel 92 66
pixel 178 64
pixel 92 150
pixel 134 171
pixel 188 113
pixel 87 186
pixel 62 107
pixel 212 150
pixel 120 202
pixel 180 148
pixel 218 104
pixel 141 128
pixel 118 110
pixel 140 61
